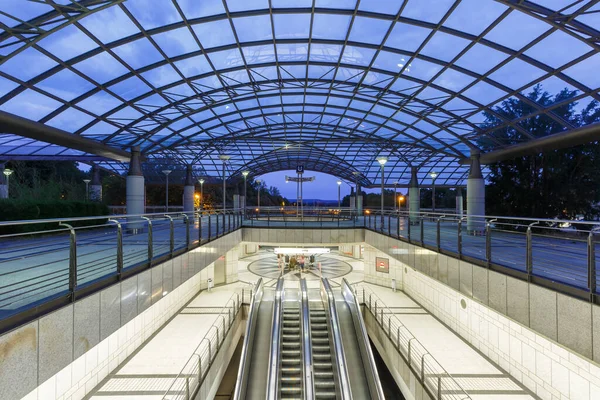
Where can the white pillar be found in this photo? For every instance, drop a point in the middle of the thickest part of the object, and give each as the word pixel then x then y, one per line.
pixel 96 185
pixel 135 189
pixel 414 196
pixel 475 197
pixel 459 201
pixel 188 191
pixel 236 201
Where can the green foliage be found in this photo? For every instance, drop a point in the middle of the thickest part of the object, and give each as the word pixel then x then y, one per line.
pixel 561 182
pixel 16 210
pixel 42 180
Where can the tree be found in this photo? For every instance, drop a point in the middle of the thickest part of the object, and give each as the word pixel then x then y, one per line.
pixel 554 183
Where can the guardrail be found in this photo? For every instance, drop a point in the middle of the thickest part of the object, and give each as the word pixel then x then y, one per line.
pixel 194 373
pixel 438 383
pixel 559 254
pixel 60 261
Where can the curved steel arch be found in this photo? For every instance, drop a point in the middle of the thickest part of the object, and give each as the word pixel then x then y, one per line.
pixel 430 140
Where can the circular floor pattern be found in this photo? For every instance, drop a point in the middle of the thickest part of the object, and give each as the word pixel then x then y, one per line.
pixel 330 267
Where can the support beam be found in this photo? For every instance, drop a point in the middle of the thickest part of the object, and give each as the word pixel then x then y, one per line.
pixel 475 197
pixel 414 197
pixel 96 185
pixel 136 201
pixel 10 123
pixel 188 191
pixel 571 138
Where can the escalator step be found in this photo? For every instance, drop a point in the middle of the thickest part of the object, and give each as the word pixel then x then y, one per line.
pixel 319 334
pixel 317 340
pixel 319 326
pixel 292 390
pixel 293 345
pixel 325 395
pixel 290 353
pixel 323 375
pixel 321 357
pixel 322 365
pixel 290 338
pixel 324 384
pixel 291 379
pixel 320 349
pixel 291 361
pixel 290 370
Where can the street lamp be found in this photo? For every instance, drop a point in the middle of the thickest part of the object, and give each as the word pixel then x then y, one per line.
pixel 382 161
pixel 245 175
pixel 339 194
pixel 258 205
pixel 201 182
pixel 7 172
pixel 433 176
pixel 167 172
pixel 400 200
pixel 87 191
pixel 224 158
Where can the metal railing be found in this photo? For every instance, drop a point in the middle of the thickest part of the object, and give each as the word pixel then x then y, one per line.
pixel 245 358
pixel 274 372
pixel 560 254
pixel 196 369
pixel 438 383
pixel 56 261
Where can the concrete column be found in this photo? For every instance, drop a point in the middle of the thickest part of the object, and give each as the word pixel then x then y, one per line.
pixel 359 201
pixel 236 201
pixel 96 185
pixel 459 201
pixel 135 189
pixel 188 191
pixel 3 185
pixel 475 196
pixel 414 196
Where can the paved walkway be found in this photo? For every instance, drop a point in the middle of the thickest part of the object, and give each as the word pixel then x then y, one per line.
pixel 476 374
pixel 149 372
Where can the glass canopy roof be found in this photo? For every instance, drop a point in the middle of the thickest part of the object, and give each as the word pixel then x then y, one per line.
pixel 331 84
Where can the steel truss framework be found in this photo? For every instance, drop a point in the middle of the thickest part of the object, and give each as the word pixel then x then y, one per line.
pixel 328 84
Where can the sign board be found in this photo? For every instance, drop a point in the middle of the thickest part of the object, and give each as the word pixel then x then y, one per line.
pixel 300 169
pixel 382 265
pixel 296 250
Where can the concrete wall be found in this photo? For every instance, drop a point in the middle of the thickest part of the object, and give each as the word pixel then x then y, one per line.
pixel 281 236
pixel 382 278
pixel 410 386
pixel 63 355
pixel 531 332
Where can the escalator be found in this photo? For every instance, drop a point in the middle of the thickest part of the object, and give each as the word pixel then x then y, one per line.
pixel 301 346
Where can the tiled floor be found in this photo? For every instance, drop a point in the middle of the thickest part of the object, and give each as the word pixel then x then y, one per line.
pixel 150 371
pixel 478 376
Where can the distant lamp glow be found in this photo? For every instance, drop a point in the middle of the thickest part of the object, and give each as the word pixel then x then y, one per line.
pixel 245 173
pixel 434 175
pixel 339 182
pixel 7 171
pixel 382 160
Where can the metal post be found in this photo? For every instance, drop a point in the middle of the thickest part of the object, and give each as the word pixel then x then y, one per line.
pixel 408 227
pixel 422 229
pixel 389 224
pixel 459 238
pixel 72 259
pixel 438 238
pixel 209 227
pixel 439 387
pixel 223 223
pixel 488 241
pixel 398 226
pixel 187 230
pixel 200 227
pixel 217 226
pixel 529 252
pixel 150 246
pixel 591 265
pixel 229 222
pixel 171 234
pixel 119 247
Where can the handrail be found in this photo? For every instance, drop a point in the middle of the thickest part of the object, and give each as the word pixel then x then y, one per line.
pixel 435 379
pixel 308 382
pixel 363 342
pixel 336 336
pixel 244 369
pixel 274 373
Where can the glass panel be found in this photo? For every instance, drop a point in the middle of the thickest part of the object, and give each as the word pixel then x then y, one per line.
pixel 289 26
pixel 101 68
pixel 176 42
pixel 65 85
pixel 162 12
pixel 516 73
pixel 30 104
pixel 214 34
pixel 254 28
pixel 70 120
pixel 570 48
pixel 369 30
pixel 516 30
pixel 474 16
pixel 138 54
pixel 330 26
pixel 407 37
pixel 67 43
pixel 109 25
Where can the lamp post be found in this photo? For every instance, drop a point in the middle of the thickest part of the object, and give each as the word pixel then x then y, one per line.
pixel 339 183
pixel 7 172
pixel 382 161
pixel 258 205
pixel 167 172
pixel 201 182
pixel 400 200
pixel 433 176
pixel 87 188
pixel 224 158
pixel 245 175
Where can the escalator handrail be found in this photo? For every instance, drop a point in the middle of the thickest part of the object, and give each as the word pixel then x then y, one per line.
pixel 307 364
pixel 336 336
pixel 363 338
pixel 244 369
pixel 275 346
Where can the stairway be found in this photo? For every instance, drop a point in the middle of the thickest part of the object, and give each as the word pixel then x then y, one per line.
pixel 323 369
pixel 291 353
